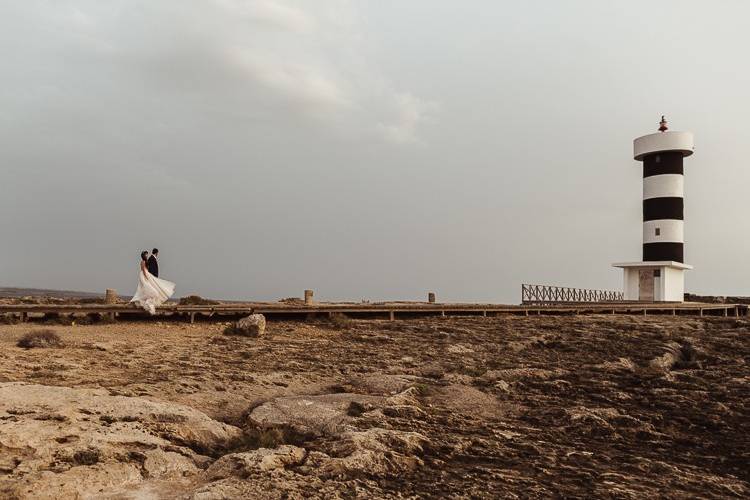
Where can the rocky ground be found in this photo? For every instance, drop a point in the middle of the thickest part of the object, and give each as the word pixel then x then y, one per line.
pixel 508 407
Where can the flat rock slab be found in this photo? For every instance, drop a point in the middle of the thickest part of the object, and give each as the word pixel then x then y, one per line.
pixel 59 442
pixel 467 400
pixel 313 415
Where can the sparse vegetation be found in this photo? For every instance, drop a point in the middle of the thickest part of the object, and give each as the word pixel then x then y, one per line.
pixel 251 439
pixel 91 300
pixel 57 319
pixel 493 396
pixel 433 373
pixel 422 389
pixel 8 319
pixel 89 456
pixel 355 409
pixel 340 321
pixel 292 301
pixel 105 319
pixel 688 357
pixel 40 338
pixel 231 330
pixel 197 300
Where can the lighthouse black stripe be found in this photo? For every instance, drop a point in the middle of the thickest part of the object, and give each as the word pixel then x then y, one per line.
pixel 663 208
pixel 663 251
pixel 662 163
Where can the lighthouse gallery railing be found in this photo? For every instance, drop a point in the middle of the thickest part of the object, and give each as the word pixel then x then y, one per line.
pixel 547 294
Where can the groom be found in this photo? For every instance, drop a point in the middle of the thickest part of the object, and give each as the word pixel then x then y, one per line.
pixel 151 264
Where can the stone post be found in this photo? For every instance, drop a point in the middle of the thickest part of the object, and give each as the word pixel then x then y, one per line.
pixel 110 296
pixel 431 297
pixel 308 297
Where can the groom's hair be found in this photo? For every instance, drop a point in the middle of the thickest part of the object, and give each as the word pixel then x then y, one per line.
pixel 155 250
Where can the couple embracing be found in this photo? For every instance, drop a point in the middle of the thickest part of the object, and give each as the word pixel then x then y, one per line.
pixel 151 291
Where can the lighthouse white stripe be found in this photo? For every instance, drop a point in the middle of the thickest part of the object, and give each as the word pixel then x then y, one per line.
pixel 663 141
pixel 663 186
pixel 670 231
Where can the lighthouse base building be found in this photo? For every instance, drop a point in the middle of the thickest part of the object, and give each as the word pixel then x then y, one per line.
pixel 660 276
pixel 657 281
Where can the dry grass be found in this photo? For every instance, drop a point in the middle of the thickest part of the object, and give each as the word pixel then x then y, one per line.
pixel 40 338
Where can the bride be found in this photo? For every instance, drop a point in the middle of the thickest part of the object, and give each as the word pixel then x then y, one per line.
pixel 151 291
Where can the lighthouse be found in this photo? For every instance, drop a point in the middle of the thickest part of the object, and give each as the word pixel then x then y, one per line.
pixel 660 276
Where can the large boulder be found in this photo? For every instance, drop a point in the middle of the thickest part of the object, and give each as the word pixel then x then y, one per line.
pixel 251 326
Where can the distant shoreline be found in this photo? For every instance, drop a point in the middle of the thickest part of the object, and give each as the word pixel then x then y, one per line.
pixel 17 292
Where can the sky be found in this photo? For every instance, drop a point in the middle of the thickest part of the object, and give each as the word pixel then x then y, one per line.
pixel 368 150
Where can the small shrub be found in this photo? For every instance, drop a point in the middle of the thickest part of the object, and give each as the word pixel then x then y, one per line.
pixel 355 409
pixel 51 416
pixel 89 456
pixel 294 301
pixel 253 438
pixel 106 319
pixel 340 321
pixel 57 319
pixel 107 419
pixel 8 319
pixel 197 300
pixel 40 338
pixel 422 389
pixel 91 300
pixel 83 320
pixel 231 330
pixel 271 438
pixel 688 357
pixel 433 373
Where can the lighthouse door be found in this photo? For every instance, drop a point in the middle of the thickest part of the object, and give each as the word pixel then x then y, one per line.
pixel 646 285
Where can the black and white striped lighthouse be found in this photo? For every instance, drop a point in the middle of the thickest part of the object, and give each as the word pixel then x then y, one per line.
pixel 660 275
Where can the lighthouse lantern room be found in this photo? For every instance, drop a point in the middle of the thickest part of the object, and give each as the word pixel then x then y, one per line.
pixel 659 277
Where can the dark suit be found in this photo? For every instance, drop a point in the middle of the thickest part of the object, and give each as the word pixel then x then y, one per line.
pixel 152 266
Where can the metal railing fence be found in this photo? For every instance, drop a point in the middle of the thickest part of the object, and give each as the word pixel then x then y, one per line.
pixel 547 294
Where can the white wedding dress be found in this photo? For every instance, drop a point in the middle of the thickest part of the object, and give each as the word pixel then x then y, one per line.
pixel 152 291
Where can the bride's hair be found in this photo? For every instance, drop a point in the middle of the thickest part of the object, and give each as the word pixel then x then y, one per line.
pixel 143 255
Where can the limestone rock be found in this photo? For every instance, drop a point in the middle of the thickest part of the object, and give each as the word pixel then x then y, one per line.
pixel 676 355
pixel 404 405
pixel 311 415
pixel 459 349
pixel 468 400
pixel 218 490
pixel 260 460
pixel 376 451
pixel 621 364
pixel 409 396
pixel 89 441
pixel 251 326
pixel 515 374
pixel 383 384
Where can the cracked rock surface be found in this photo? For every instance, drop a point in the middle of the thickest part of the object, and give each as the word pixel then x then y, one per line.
pixel 61 442
pixel 506 407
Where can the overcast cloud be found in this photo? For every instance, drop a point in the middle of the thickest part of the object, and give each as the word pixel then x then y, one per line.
pixel 372 150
